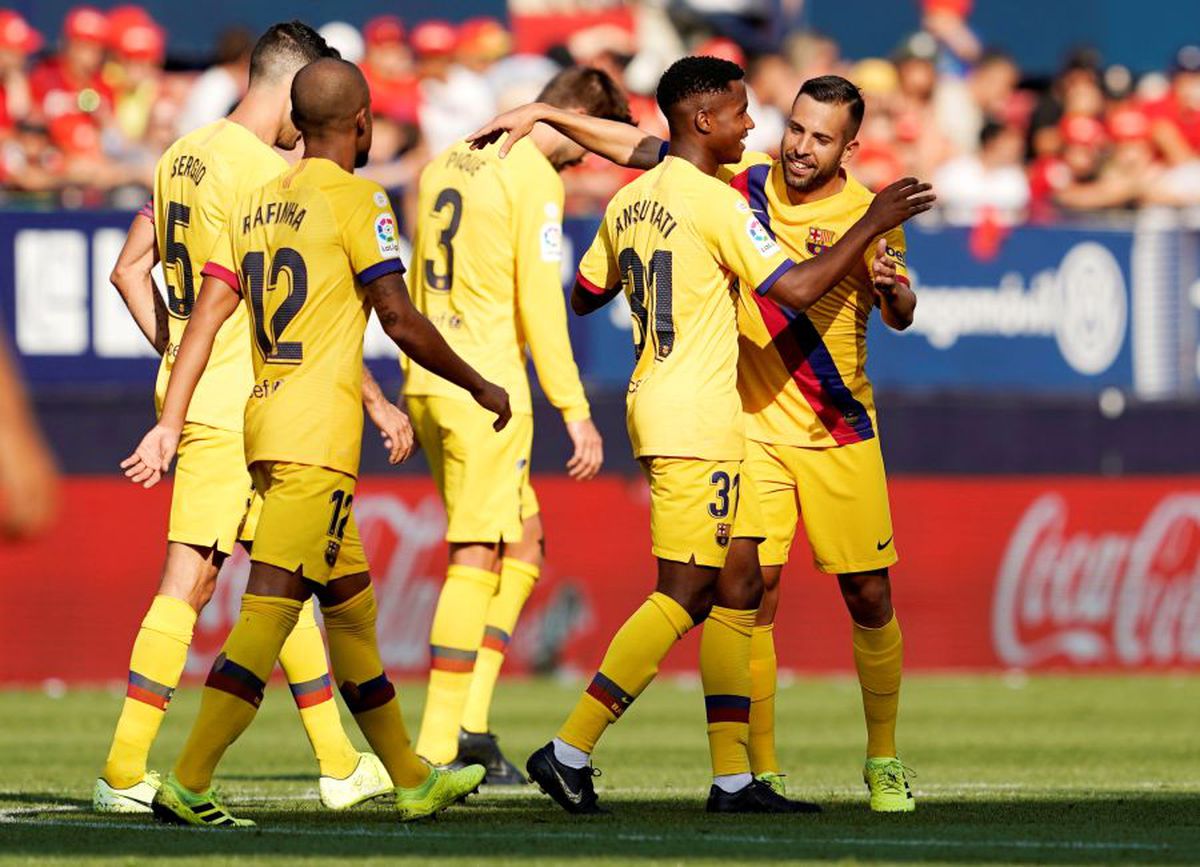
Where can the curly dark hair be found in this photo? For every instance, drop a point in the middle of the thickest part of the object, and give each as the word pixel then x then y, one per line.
pixel 692 75
pixel 284 49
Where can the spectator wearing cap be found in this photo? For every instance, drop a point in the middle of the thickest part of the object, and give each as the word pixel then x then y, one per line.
pixel 963 106
pixel 17 41
pixel 919 140
pixel 1175 119
pixel 989 184
pixel 388 67
pixel 70 83
pixel 219 87
pixel 454 100
pixel 137 49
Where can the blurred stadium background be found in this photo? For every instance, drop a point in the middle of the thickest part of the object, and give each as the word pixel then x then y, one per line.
pixel 1040 421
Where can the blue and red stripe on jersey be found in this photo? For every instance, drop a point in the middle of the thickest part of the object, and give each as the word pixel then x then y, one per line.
pixel 312 692
pixel 451 659
pixel 799 343
pixel 495 638
pixel 368 695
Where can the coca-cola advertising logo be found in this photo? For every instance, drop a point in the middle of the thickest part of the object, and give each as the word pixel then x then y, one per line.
pixel 1067 595
pixel 407 552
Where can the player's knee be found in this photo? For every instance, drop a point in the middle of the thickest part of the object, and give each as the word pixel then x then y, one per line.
pixel 868 597
pixel 739 589
pixel 191 578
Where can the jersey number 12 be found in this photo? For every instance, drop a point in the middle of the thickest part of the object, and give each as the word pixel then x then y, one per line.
pixel 267 335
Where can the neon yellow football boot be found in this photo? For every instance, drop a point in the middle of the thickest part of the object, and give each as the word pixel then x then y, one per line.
pixel 887 781
pixel 775 781
pixel 176 805
pixel 440 790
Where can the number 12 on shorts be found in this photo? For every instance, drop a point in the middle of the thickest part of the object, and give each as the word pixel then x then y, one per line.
pixel 341 513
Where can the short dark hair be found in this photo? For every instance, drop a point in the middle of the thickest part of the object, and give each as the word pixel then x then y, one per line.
pixel 284 49
pixel 592 90
pixel 835 90
pixel 693 75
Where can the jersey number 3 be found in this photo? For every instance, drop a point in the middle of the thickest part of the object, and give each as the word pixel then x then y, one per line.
pixel 451 198
pixel 268 335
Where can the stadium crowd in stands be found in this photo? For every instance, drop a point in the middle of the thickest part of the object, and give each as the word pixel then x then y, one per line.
pixel 84 113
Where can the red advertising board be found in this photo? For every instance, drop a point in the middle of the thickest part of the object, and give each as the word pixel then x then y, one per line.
pixel 1039 572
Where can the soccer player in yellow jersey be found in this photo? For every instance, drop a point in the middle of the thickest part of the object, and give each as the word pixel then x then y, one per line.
pixel 196 183
pixel 812 444
pixel 310 253
pixel 487 272
pixel 679 241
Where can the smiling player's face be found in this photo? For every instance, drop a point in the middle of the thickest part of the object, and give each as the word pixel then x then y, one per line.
pixel 728 118
pixel 815 143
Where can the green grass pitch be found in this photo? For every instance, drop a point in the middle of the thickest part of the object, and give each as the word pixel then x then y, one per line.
pixel 1045 770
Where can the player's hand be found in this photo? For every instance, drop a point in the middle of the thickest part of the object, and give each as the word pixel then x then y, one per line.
pixel 898 202
pixel 494 399
pixel 883 272
pixel 29 486
pixel 153 456
pixel 517 123
pixel 589 450
pixel 395 429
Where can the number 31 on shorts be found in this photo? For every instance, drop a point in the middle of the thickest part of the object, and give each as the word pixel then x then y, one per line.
pixel 727 491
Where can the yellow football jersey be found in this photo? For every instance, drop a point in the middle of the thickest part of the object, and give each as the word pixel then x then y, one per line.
pixel 488 273
pixel 196 183
pixel 678 239
pixel 300 249
pixel 802 376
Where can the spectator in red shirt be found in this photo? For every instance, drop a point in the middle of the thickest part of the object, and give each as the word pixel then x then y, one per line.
pixel 1175 119
pixel 388 67
pixel 70 82
pixel 17 41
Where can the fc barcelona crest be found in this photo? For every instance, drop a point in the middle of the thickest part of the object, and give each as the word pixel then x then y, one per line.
pixel 820 240
pixel 723 531
pixel 331 552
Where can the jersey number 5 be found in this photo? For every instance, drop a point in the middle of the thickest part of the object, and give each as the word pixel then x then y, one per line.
pixel 181 290
pixel 254 278
pixel 442 282
pixel 649 292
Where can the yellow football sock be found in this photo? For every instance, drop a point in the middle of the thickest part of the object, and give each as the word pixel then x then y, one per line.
pixel 762 700
pixel 303 661
pixel 366 689
pixel 454 640
pixel 516 583
pixel 879 656
pixel 628 667
pixel 159 653
pixel 235 684
pixel 725 675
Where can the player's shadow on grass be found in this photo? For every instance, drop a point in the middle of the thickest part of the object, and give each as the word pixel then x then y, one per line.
pixel 259 778
pixel 42 799
pixel 1093 828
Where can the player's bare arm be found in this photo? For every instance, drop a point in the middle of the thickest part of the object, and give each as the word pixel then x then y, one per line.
pixel 394 426
pixel 132 278
pixel 420 341
pixel 804 283
pixel 622 143
pixel 895 299
pixel 215 303
pixel 585 300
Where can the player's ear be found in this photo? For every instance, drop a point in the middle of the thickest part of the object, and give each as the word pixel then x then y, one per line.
pixel 361 120
pixel 703 121
pixel 849 150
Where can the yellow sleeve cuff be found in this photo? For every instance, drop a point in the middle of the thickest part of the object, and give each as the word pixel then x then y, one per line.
pixel 577 413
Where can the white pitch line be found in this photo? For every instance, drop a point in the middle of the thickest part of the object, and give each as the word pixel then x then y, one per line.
pixel 12 817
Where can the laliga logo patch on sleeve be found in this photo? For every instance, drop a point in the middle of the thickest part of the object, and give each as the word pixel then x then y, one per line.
pixel 761 238
pixel 386 236
pixel 551 241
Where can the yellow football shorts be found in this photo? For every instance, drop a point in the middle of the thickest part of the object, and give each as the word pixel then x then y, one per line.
pixel 307 522
pixel 213 503
pixel 482 474
pixel 842 494
pixel 693 506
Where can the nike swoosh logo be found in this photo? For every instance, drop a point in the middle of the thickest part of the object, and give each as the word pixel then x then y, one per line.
pixel 573 797
pixel 879 546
